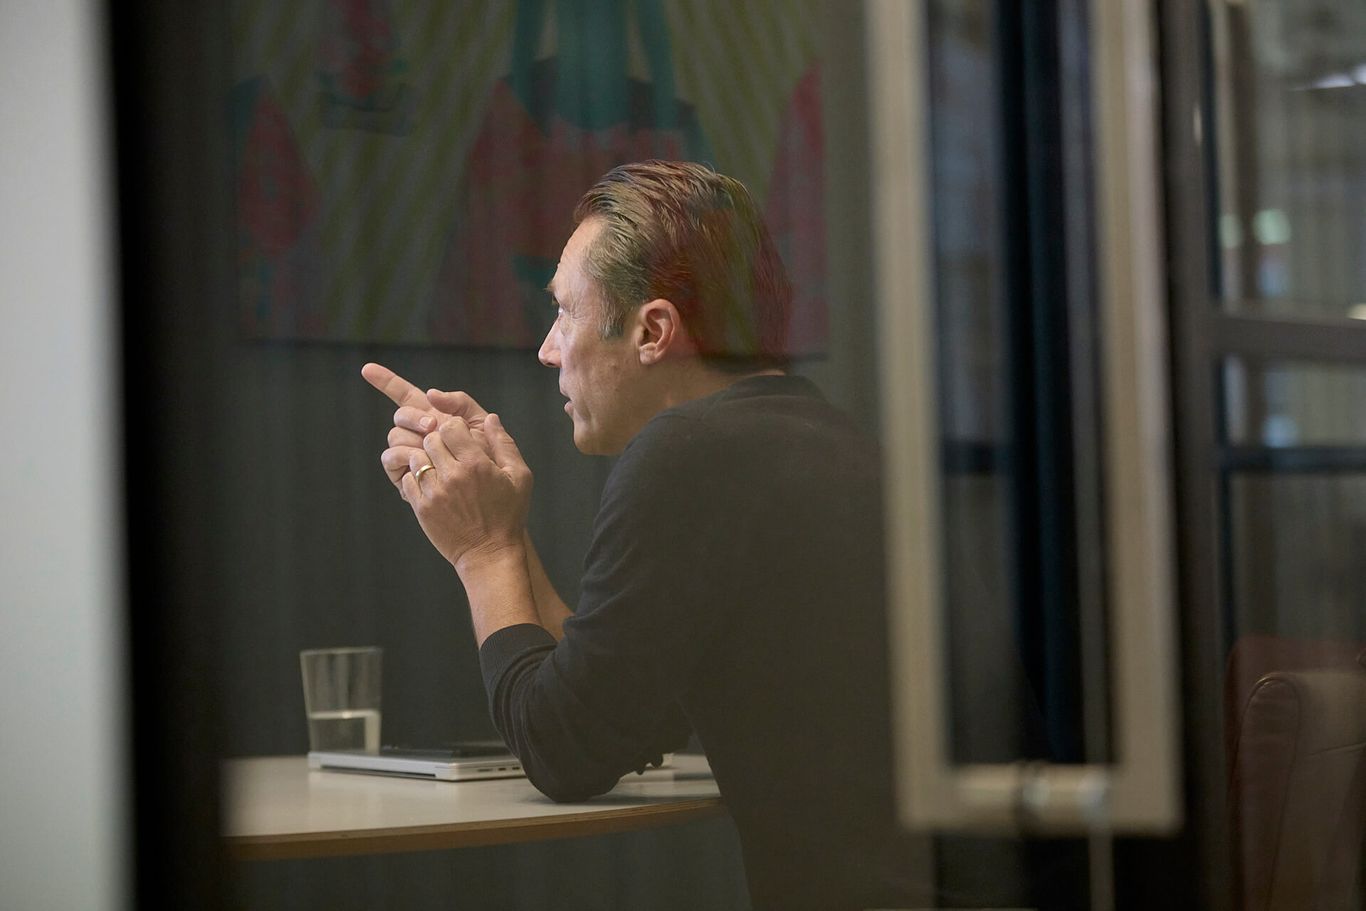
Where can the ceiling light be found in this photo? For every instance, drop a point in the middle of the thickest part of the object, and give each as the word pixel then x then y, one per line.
pixel 1271 226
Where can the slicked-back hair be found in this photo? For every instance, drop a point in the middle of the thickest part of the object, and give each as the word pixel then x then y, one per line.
pixel 682 232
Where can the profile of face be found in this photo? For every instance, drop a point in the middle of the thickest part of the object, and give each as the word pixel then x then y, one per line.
pixel 596 373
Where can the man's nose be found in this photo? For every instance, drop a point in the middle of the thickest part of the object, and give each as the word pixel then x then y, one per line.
pixel 550 352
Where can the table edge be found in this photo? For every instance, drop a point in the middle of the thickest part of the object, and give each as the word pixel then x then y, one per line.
pixel 404 839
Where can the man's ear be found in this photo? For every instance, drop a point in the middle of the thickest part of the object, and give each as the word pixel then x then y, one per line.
pixel 659 331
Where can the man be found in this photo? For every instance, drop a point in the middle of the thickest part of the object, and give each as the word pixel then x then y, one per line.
pixel 733 586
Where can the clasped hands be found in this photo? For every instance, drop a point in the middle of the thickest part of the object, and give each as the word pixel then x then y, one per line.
pixel 472 503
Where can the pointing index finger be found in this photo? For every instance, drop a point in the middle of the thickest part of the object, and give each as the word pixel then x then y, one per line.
pixel 399 390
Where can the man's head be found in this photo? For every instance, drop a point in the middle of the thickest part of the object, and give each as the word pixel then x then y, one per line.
pixel 669 281
pixel 679 231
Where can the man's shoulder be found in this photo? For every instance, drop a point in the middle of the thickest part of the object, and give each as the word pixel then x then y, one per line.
pixel 737 408
pixel 691 429
pixel 746 428
pixel 668 440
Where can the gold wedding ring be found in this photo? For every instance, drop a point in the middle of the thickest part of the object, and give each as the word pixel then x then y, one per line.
pixel 417 475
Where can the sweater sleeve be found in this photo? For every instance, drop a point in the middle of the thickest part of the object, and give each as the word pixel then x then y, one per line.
pixel 602 702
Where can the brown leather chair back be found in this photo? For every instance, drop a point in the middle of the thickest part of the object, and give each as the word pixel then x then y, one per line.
pixel 1297 787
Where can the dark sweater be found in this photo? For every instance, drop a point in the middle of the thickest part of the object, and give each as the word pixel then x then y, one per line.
pixel 734 587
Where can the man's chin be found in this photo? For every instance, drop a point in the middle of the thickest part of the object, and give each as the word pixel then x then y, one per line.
pixel 583 441
pixel 587 447
pixel 592 444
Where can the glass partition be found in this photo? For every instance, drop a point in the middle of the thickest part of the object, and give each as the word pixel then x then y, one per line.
pixel 1109 494
pixel 1286 457
pixel 1291 169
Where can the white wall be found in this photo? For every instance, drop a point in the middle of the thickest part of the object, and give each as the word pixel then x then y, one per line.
pixel 62 781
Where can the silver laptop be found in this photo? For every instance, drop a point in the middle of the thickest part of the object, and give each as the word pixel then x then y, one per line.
pixel 461 762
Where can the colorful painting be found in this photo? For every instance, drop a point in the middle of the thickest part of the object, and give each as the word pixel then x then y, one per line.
pixel 277 215
pixel 360 68
pixel 429 155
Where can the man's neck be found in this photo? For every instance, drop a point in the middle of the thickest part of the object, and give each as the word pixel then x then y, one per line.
pixel 698 380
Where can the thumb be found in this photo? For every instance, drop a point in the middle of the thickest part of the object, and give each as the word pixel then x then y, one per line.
pixel 502 447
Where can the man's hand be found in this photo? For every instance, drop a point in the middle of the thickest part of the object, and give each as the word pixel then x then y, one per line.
pixel 418 414
pixel 472 503
pixel 495 601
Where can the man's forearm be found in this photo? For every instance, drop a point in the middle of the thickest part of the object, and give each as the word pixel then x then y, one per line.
pixel 499 590
pixel 550 607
